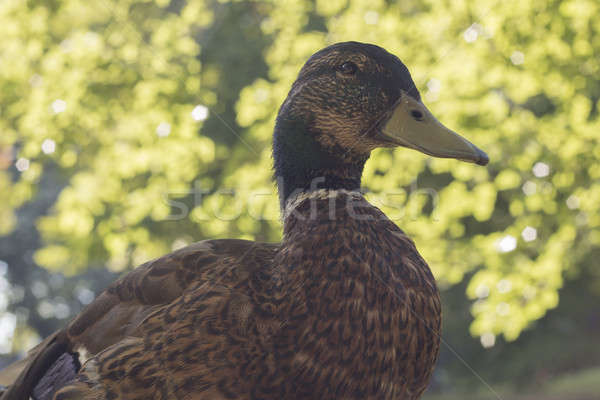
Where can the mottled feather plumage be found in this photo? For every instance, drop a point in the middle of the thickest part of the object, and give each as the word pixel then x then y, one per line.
pixel 343 308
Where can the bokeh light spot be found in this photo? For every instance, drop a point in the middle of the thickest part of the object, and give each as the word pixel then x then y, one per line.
pixel 507 244
pixel 59 106
pixel 163 129
pixel 529 188
pixel 529 233
pixel 572 202
pixel 488 340
pixel 517 58
pixel 470 35
pixel 541 169
pixel 22 164
pixel 200 113
pixel 504 286
pixel 48 146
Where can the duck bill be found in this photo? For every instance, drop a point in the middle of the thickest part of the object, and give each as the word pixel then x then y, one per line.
pixel 410 124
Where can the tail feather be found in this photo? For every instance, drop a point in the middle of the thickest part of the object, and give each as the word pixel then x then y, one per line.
pixel 35 368
pixel 63 371
pixel 11 373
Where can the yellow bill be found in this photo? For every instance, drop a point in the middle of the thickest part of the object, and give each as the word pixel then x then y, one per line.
pixel 412 125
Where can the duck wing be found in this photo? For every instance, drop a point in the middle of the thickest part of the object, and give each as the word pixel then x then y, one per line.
pixel 155 301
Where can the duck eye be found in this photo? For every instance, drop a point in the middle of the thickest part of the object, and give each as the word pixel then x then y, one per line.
pixel 416 114
pixel 348 68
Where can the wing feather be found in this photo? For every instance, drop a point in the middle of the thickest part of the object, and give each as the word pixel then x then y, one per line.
pixel 120 311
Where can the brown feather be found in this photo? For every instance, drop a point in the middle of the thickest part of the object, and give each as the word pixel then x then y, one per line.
pixel 343 308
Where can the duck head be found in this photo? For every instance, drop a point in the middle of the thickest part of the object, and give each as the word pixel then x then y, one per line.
pixel 348 99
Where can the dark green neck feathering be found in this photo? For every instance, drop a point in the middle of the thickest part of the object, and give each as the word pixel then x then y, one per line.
pixel 302 164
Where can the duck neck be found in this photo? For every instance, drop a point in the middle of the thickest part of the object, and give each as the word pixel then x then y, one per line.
pixel 302 164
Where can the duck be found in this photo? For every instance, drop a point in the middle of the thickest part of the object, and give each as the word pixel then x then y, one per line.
pixel 344 307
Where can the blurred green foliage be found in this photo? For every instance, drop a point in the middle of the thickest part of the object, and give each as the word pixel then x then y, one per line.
pixel 125 99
